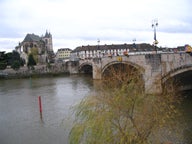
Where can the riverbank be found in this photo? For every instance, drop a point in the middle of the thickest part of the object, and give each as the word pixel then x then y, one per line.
pixel 38 71
pixel 33 75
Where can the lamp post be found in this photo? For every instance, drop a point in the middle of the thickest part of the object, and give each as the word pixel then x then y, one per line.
pixel 154 25
pixel 98 41
pixel 134 45
pixel 98 48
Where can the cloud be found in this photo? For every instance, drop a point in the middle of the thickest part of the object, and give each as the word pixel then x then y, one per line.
pixel 82 22
pixel 8 44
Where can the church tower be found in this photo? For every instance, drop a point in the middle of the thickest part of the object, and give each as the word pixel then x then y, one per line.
pixel 48 42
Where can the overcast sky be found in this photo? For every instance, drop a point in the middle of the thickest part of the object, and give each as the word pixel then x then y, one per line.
pixel 75 23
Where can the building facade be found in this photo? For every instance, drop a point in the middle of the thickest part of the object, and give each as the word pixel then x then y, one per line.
pixel 86 52
pixel 63 54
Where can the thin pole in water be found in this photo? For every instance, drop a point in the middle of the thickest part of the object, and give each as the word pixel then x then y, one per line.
pixel 40 106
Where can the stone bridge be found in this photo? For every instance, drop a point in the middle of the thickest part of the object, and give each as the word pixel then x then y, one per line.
pixel 156 69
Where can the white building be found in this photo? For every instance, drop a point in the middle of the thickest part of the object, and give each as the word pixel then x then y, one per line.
pixel 63 54
pixel 98 51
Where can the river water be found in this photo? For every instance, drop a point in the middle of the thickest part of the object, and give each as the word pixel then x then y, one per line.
pixel 20 121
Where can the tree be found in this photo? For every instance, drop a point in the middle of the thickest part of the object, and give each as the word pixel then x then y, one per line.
pixel 3 61
pixel 31 61
pixel 15 60
pixel 121 112
pixel 34 52
pixel 15 65
pixel 9 57
pixel 3 65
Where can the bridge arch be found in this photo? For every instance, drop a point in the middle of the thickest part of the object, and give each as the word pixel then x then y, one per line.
pixel 86 67
pixel 182 76
pixel 134 65
pixel 176 71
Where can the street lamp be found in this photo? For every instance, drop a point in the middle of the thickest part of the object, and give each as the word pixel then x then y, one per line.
pixel 98 41
pixel 98 48
pixel 134 45
pixel 154 25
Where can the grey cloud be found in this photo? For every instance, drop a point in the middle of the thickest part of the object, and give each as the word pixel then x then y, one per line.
pixel 8 44
pixel 179 28
pixel 8 32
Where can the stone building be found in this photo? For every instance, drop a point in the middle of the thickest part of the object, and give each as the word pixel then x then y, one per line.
pixel 43 45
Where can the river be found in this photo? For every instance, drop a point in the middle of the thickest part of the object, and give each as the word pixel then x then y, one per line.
pixel 20 121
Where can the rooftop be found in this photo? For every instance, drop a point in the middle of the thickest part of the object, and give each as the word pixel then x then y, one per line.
pixel 131 47
pixel 31 38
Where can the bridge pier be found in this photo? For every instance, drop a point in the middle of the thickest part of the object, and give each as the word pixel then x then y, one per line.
pixel 97 68
pixel 97 72
pixel 73 67
pixel 152 83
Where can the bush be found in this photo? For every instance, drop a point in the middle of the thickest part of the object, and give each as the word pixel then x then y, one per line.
pixel 15 65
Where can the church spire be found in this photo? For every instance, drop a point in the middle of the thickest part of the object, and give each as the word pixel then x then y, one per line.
pixel 47 34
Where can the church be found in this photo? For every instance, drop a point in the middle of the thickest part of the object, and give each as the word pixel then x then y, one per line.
pixel 42 44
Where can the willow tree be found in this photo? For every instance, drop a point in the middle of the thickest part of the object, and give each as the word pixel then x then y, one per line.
pixel 121 112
